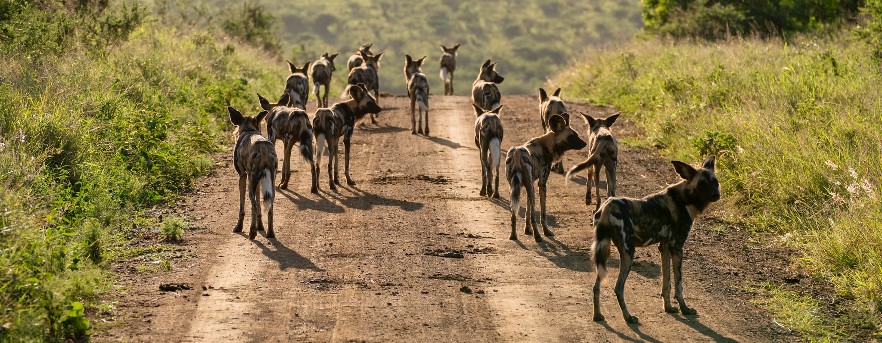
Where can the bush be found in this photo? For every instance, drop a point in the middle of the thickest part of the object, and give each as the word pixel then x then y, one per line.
pixel 252 25
pixel 172 229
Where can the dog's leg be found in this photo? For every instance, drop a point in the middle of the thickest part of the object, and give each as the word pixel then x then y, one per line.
pixel 482 151
pixel 336 155
pixel 451 82
pixel 347 144
pixel 242 180
pixel 269 208
pixel 597 184
pixel 253 196
pixel 427 119
pixel 542 192
pixel 530 219
pixel 590 183
pixel 413 130
pixel 496 188
pixel 677 260
pixel 666 277
pixel 286 166
pixel 611 178
pixel 327 86
pixel 626 256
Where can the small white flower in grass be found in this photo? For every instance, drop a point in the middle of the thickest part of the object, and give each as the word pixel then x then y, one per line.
pixel 831 164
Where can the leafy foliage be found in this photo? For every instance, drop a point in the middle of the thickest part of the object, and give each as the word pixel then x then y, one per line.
pixel 717 19
pixel 102 114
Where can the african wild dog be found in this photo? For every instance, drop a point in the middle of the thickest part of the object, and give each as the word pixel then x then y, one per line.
pixel 484 91
pixel 665 218
pixel 291 125
pixel 321 72
pixel 297 86
pixel 349 113
pixel 448 66
pixel 328 130
pixel 356 60
pixel 532 161
pixel 548 106
pixel 367 74
pixel 255 160
pixel 602 152
pixel 418 91
pixel 488 137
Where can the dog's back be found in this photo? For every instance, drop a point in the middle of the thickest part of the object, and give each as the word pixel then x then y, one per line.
pixel 322 69
pixel 551 105
pixel 485 93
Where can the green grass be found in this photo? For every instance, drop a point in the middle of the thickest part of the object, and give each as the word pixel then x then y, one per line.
pixel 795 126
pixel 532 39
pixel 90 136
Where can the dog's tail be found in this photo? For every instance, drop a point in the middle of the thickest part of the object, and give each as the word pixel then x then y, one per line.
pixel 422 98
pixel 267 187
pixel 494 152
pixel 590 162
pixel 306 147
pixel 445 75
pixel 600 247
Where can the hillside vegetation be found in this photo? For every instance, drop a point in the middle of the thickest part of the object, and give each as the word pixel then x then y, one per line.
pixel 532 39
pixel 796 128
pixel 102 115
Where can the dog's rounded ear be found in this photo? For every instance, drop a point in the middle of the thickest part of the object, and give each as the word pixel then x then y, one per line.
pixel 333 56
pixel 377 57
pixel 609 121
pixel 686 171
pixel 407 59
pixel 420 61
pixel 355 92
pixel 363 54
pixel 291 67
pixel 486 64
pixel 443 48
pixel 455 47
pixel 306 67
pixel 542 95
pixel 557 92
pixel 264 104
pixel 260 116
pixel 557 123
pixel 478 110
pixel 709 163
pixel 325 54
pixel 236 117
pixel 497 109
pixel 284 100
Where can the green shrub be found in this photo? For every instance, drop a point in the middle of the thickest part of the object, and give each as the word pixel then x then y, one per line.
pixel 172 229
pixel 253 25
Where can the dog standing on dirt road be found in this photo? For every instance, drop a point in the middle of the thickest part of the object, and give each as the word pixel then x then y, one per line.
pixel 321 72
pixel 532 161
pixel 256 163
pixel 328 130
pixel 448 66
pixel 548 106
pixel 291 125
pixel 665 218
pixel 485 93
pixel 418 92
pixel 367 74
pixel 350 112
pixel 297 86
pixel 488 137
pixel 603 151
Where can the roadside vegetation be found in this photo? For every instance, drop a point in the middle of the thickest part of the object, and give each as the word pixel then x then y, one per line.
pixel 795 124
pixel 104 113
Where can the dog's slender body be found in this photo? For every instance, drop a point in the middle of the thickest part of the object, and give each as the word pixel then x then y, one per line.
pixel 418 92
pixel 297 86
pixel 531 162
pixel 664 218
pixel 448 66
pixel 549 106
pixel 254 158
pixel 485 93
pixel 321 72
pixel 366 74
pixel 330 127
pixel 603 152
pixel 488 138
pixel 292 126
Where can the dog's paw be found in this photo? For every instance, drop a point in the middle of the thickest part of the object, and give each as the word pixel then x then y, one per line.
pixel 671 309
pixel 599 317
pixel 513 237
pixel 238 228
pixel 632 320
pixel 688 311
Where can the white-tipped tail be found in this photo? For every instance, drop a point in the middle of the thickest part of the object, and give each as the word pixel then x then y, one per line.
pixel 445 76
pixel 267 186
pixel 494 152
pixel 515 192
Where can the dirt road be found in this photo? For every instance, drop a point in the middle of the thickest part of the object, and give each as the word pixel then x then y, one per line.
pixel 412 253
